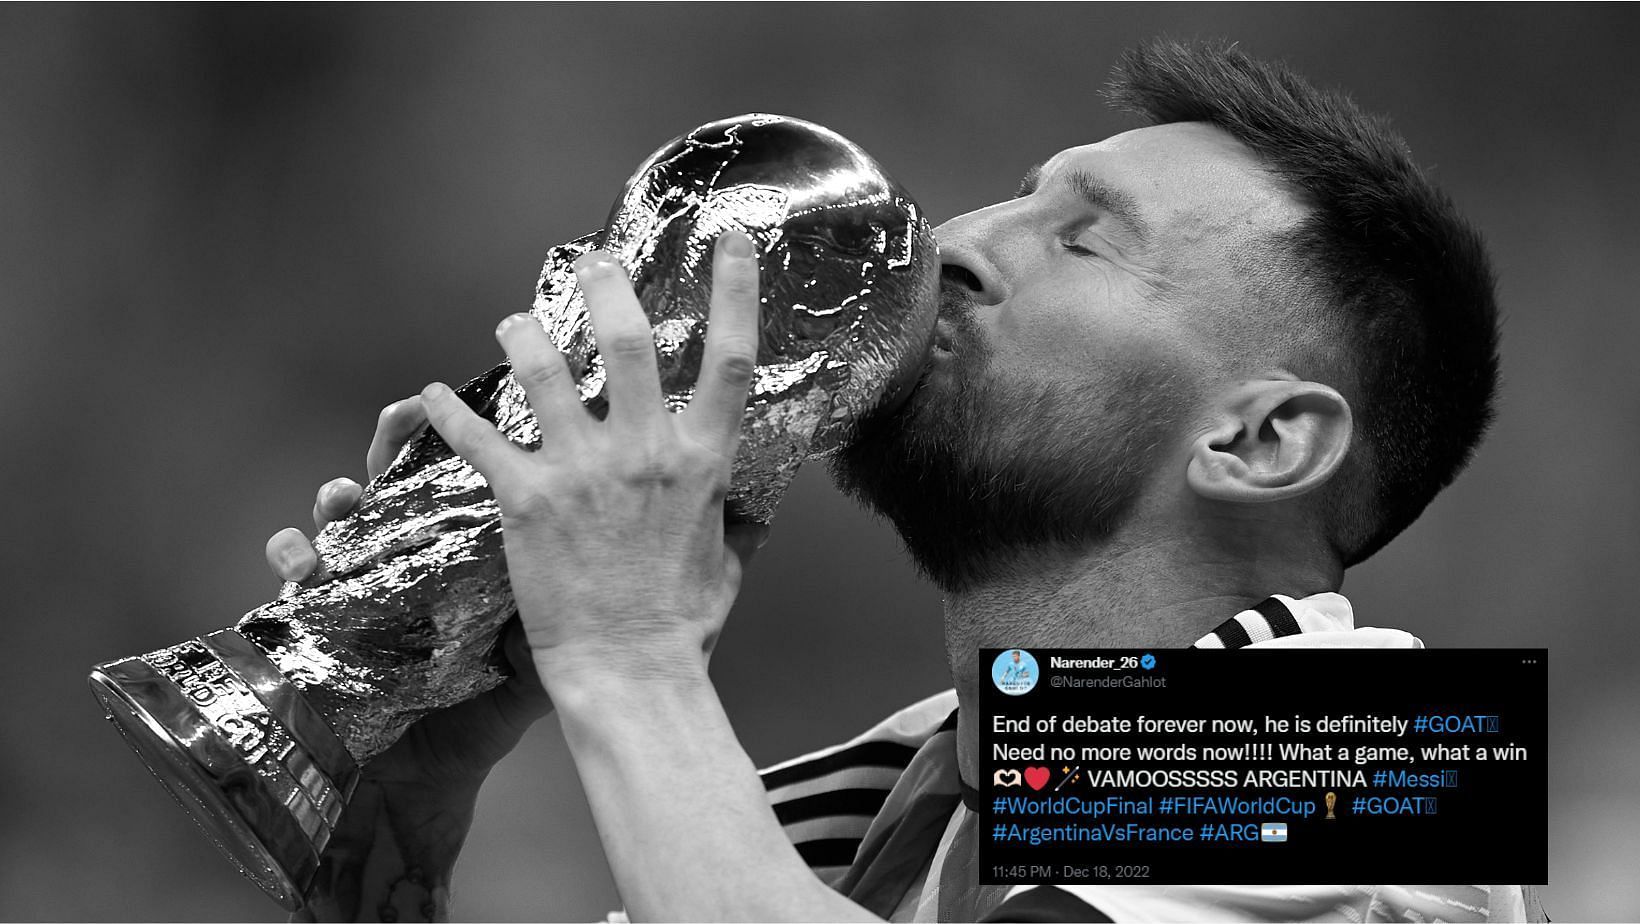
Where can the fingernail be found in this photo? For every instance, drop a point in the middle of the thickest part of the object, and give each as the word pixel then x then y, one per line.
pixel 736 244
pixel 596 261
pixel 509 321
pixel 435 391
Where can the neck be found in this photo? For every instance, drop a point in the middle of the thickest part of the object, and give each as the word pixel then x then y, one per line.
pixel 1119 595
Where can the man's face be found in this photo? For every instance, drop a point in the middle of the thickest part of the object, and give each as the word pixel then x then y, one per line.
pixel 1083 325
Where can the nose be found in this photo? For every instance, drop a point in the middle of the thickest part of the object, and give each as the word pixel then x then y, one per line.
pixel 968 254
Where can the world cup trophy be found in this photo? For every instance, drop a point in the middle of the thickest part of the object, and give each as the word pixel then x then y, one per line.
pixel 259 730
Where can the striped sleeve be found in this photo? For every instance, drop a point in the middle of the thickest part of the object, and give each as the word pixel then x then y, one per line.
pixel 826 800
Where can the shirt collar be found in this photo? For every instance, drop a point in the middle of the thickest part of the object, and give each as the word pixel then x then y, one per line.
pixel 1278 616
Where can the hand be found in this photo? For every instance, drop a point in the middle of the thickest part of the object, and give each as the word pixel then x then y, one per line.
pixel 415 801
pixel 614 533
pixel 624 574
pixel 290 554
pixel 455 748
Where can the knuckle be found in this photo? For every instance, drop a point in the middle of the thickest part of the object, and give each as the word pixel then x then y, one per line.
pixel 440 416
pixel 737 360
pixel 647 461
pixel 630 344
pixel 521 507
pixel 705 466
pixel 400 417
pixel 740 283
pixel 538 374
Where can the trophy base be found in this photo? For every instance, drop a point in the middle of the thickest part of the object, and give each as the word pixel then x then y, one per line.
pixel 237 746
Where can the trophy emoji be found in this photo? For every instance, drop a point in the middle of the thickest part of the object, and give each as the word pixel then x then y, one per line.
pixel 259 731
pixel 1332 800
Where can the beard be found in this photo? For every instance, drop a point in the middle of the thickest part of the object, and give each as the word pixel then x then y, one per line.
pixel 978 467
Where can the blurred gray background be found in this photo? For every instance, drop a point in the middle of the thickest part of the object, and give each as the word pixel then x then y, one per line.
pixel 230 236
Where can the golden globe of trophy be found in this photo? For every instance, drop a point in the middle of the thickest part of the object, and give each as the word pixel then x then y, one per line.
pixel 259 730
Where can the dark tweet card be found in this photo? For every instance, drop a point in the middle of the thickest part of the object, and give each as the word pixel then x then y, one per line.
pixel 1174 766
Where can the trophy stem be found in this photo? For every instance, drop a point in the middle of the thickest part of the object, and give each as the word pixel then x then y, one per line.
pixel 234 742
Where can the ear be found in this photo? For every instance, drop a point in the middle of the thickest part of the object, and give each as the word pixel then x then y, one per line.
pixel 1274 439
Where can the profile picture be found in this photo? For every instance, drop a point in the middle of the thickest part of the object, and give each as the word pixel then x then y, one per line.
pixel 1014 672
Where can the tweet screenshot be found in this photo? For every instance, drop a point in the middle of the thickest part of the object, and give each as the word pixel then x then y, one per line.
pixel 1249 767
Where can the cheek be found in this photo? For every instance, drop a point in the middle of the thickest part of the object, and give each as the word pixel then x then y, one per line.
pixel 1079 347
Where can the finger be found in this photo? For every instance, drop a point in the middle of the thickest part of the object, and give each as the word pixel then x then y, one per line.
pixel 290 555
pixel 525 699
pixel 624 340
pixel 544 375
pixel 730 357
pixel 744 539
pixel 471 436
pixel 398 423
pixel 336 499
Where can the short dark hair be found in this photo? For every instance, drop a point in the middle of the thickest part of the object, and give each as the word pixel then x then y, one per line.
pixel 1402 277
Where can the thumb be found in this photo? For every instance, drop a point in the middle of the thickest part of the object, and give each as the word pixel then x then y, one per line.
pixel 745 539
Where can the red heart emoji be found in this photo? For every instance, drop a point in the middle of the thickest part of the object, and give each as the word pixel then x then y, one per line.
pixel 1036 777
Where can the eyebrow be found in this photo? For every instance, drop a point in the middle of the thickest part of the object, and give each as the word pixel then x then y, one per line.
pixel 1096 193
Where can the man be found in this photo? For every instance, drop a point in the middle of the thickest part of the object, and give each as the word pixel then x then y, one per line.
pixel 1182 381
